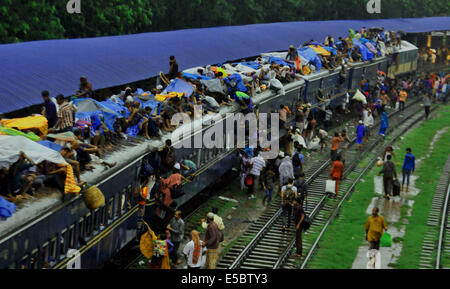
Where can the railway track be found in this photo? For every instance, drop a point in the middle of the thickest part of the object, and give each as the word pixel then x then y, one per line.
pixel 264 245
pixel 436 243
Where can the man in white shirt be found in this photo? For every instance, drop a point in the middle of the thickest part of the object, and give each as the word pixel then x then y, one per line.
pixel 258 164
pixel 190 248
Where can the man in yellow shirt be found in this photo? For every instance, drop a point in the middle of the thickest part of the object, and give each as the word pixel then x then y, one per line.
pixel 402 95
pixel 374 229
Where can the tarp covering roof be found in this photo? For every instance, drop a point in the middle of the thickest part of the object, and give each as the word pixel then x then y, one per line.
pixel 13 145
pixel 56 65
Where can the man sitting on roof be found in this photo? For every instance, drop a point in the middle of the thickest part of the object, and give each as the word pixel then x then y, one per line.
pixel 136 120
pixel 19 180
pixel 150 128
pixel 49 109
pixel 84 150
pixel 85 90
pixel 69 156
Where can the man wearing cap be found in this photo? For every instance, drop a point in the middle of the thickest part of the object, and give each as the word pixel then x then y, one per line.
pixel 211 242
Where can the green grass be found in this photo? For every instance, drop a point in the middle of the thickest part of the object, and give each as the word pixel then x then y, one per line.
pixel 340 243
pixel 429 174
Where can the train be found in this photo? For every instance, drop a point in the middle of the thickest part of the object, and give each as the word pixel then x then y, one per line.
pixel 43 236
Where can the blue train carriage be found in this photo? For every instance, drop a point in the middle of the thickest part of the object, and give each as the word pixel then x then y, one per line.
pixel 405 61
pixel 40 234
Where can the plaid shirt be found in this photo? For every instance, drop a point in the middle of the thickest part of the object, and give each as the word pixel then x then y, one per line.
pixel 65 113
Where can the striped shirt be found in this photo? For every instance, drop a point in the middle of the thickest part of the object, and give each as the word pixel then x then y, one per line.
pixel 258 164
pixel 65 113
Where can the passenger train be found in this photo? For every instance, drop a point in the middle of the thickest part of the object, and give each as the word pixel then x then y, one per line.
pixel 41 237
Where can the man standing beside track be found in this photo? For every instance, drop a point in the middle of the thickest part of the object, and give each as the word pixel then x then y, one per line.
pixel 176 228
pixel 211 242
pixel 258 163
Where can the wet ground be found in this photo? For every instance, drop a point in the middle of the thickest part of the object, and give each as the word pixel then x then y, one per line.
pixel 391 210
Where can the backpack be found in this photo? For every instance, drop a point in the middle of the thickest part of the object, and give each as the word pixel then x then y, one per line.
pixel 289 195
pixel 160 248
pixel 296 162
pixel 306 223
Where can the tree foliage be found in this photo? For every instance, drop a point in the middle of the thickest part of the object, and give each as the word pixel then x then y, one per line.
pixel 25 20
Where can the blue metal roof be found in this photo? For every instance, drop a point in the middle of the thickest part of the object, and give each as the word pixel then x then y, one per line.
pixel 56 65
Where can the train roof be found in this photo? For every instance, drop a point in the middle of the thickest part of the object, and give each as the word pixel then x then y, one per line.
pixel 56 65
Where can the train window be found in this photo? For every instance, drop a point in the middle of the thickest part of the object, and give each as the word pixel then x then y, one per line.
pixel 44 255
pixel 88 225
pixel 52 251
pixel 122 201
pixel 110 208
pixel 95 221
pixel 117 204
pixel 71 241
pixel 34 261
pixel 81 229
pixel 63 240
pixel 24 262
pixel 103 219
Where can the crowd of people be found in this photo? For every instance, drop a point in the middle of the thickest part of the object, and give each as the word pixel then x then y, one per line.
pixel 83 139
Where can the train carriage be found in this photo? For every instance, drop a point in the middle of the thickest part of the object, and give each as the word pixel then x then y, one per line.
pixel 45 240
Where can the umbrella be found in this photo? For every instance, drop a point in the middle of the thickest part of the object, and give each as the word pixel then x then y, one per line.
pixel 376 28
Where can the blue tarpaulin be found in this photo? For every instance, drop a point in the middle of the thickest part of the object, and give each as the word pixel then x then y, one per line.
pixel 56 65
pixel 153 104
pixel 50 145
pixel 251 64
pixel 332 50
pixel 109 118
pixel 279 61
pixel 309 54
pixel 236 77
pixel 365 52
pixel 195 76
pixel 180 86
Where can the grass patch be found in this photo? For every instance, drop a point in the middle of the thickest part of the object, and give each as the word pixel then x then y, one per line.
pixel 340 243
pixel 430 173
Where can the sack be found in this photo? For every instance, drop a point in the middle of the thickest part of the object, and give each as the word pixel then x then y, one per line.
pixel 306 223
pixel 386 240
pixel 249 180
pixel 221 237
pixel 176 191
pixel 330 186
pixel 93 198
pixel 160 249
pixel 396 188
pixel 378 183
